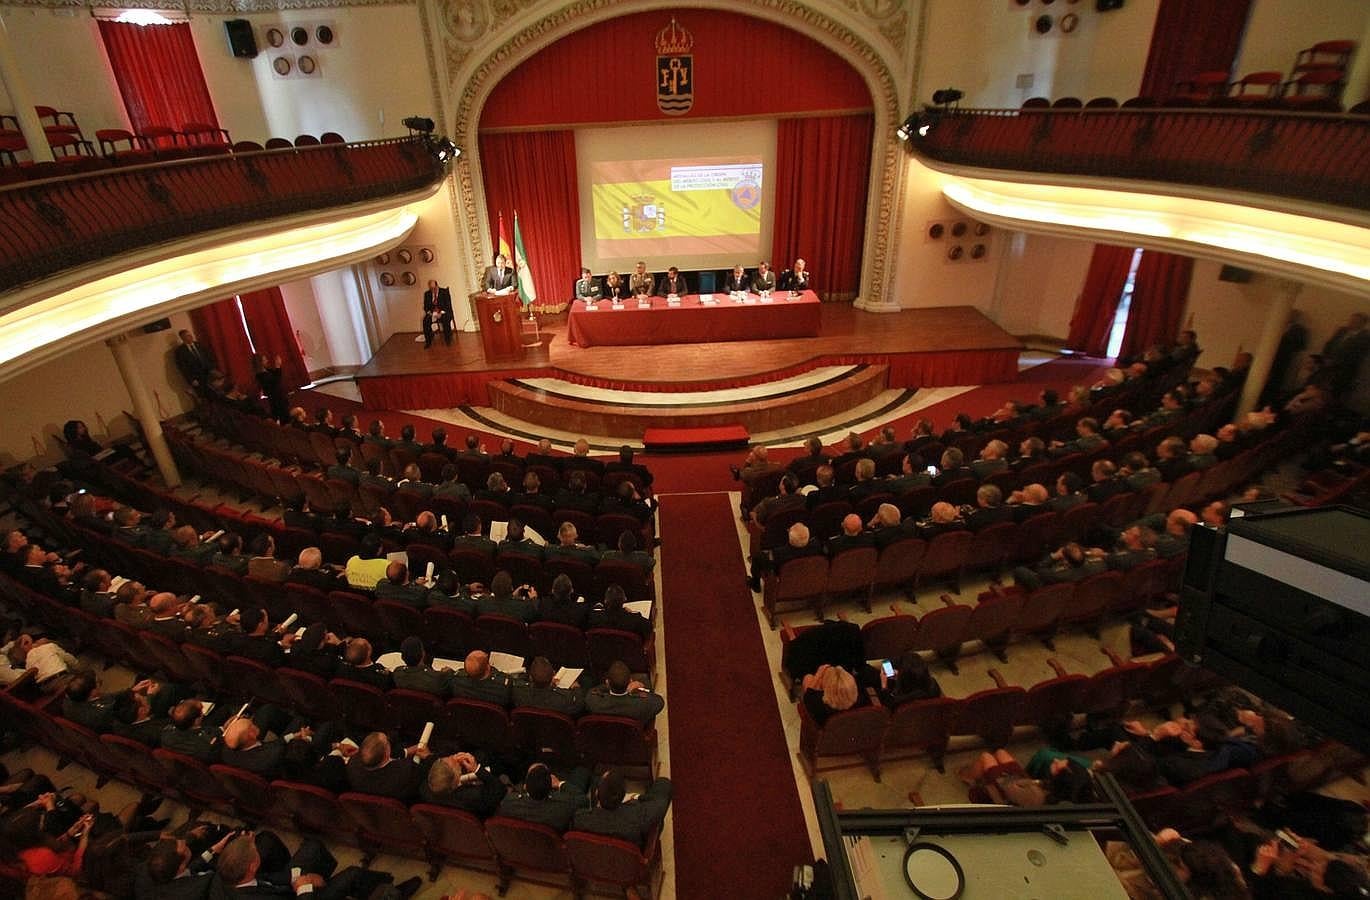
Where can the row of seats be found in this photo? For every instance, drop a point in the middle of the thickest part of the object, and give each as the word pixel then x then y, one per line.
pixel 1001 615
pixel 437 834
pixel 602 740
pixel 1309 92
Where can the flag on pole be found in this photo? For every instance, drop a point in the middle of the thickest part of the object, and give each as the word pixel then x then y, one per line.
pixel 502 241
pixel 528 292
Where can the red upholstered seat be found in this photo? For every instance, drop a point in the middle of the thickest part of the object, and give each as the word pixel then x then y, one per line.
pixel 525 846
pixel 597 859
pixel 855 732
pixel 920 726
pixel 545 733
pixel 453 836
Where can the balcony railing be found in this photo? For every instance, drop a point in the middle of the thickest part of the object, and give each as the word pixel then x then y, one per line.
pixel 1324 158
pixel 50 226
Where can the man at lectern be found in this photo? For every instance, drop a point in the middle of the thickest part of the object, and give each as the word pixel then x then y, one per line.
pixel 673 283
pixel 764 279
pixel 641 283
pixel 437 310
pixel 587 288
pixel 737 281
pixel 500 276
pixel 796 279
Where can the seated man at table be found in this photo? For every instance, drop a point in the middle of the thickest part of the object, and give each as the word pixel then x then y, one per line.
pixel 642 283
pixel 796 279
pixel 764 279
pixel 673 283
pixel 737 281
pixel 587 288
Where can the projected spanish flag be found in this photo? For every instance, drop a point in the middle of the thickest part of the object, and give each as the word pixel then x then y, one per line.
pixel 664 208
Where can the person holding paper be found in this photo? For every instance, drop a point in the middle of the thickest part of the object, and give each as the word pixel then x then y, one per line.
pixel 357 665
pixel 375 769
pixel 546 799
pixel 499 277
pixel 641 283
pixel 478 680
pixel 194 732
pixel 795 279
pixel 399 589
pixel 737 281
pixel 610 613
pixel 537 690
pixel 620 695
pixel 630 820
pixel 587 288
pixel 764 279
pixel 673 283
pixel 562 605
pixel 417 674
pixel 568 546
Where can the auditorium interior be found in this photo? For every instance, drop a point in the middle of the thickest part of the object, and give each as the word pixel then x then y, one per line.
pixel 905 432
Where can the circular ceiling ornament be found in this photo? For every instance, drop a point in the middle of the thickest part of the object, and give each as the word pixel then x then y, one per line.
pixel 388 279
pixel 324 35
pixel 404 256
pixel 300 35
pixel 282 65
pixel 1069 22
pixel 383 259
pixel 1043 24
pixel 275 37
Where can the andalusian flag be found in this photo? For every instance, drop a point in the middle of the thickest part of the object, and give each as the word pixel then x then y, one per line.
pixel 528 292
pixel 502 241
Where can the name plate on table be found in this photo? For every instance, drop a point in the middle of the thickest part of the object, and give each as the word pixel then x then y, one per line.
pixel 766 298
pixel 749 300
pixel 704 298
pixel 617 306
pixel 644 304
pixel 672 298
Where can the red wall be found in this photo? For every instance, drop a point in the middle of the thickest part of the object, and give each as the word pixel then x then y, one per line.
pixel 742 67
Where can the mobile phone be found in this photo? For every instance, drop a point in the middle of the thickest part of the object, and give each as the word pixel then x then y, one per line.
pixel 193 600
pixel 888 668
pixel 932 470
pixel 294 874
pixel 428 575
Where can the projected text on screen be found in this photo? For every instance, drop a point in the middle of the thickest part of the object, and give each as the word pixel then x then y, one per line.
pixel 665 208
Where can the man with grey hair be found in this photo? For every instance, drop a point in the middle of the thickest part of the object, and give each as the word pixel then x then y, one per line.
pixel 799 543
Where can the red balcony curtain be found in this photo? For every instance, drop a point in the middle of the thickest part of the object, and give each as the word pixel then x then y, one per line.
pixel 1189 37
pixel 158 73
pixel 534 173
pixel 822 169
pixel 1159 294
pixel 269 328
pixel 220 325
pixel 1098 302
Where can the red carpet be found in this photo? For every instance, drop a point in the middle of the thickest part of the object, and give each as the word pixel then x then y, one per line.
pixel 739 829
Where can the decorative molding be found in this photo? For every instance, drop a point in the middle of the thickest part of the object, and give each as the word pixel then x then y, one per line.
pixel 205 6
pixel 886 165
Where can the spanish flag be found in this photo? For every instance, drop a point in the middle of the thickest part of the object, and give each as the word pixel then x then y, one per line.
pixel 502 241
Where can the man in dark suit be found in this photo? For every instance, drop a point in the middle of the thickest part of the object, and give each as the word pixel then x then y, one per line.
pixel 547 799
pixel 989 508
pixel 173 872
pixel 500 276
pixel 437 311
pixel 630 821
pixel 736 281
pixel 764 279
pixel 620 695
pixel 478 680
pixel 587 287
pixel 192 732
pixel 1105 482
pixel 195 361
pixel 417 674
pixel 85 705
pixel 357 665
pixel 376 770
pixel 398 588
pixel 463 782
pixel 245 748
pixel 853 535
pixel 241 869
pixel 673 283
pixel 341 470
pixel 796 279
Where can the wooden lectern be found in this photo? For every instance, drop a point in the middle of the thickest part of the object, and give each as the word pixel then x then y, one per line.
pixel 497 316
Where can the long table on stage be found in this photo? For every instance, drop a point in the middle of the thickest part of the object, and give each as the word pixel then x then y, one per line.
pixel 693 322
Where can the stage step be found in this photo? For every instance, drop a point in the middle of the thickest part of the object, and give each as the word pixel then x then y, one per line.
pixel 624 414
pixel 694 440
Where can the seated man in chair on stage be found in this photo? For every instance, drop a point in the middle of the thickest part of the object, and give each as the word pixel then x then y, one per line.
pixel 796 279
pixel 587 288
pixel 673 283
pixel 437 311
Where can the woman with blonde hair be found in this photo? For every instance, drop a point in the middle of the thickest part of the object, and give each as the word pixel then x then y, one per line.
pixel 829 690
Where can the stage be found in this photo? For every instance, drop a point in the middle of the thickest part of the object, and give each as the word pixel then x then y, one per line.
pixel 935 347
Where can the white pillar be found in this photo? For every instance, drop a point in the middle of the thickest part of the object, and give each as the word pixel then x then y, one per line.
pixel 1276 319
pixel 144 408
pixel 18 89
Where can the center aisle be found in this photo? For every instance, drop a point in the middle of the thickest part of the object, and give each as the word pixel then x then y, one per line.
pixel 739 828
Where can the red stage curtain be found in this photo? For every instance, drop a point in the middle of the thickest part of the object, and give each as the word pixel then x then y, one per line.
pixel 269 326
pixel 1093 318
pixel 742 66
pixel 158 73
pixel 1158 300
pixel 534 173
pixel 1189 37
pixel 822 169
pixel 221 327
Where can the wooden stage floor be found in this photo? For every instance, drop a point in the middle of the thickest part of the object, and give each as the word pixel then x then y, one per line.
pixel 845 332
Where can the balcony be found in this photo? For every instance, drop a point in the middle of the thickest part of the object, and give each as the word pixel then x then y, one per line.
pixel 1312 158
pixel 53 226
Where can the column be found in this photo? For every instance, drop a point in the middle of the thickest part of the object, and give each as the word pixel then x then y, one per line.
pixel 1277 317
pixel 144 408
pixel 18 89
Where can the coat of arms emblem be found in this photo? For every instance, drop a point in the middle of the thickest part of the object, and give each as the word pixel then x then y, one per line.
pixel 675 92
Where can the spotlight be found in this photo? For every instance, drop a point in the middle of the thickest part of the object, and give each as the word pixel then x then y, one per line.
pixel 421 124
pixel 905 131
pixel 946 96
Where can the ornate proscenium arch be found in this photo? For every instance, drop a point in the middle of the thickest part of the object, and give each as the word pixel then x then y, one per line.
pixel 883 198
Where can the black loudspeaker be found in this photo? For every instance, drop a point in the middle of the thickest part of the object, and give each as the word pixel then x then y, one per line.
pixel 1235 273
pixel 154 327
pixel 1108 5
pixel 241 41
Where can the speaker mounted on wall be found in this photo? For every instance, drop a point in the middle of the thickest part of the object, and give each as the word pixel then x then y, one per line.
pixel 242 43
